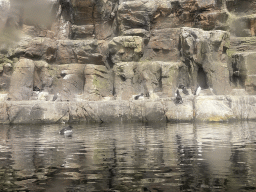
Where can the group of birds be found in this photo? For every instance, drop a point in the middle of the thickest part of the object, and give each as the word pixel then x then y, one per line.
pixel 42 94
pixel 178 98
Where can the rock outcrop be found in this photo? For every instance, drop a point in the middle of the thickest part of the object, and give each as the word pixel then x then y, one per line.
pixel 202 108
pixel 102 53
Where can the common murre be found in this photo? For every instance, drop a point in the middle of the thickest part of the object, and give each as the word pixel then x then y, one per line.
pixel 178 99
pixel 184 89
pixel 67 131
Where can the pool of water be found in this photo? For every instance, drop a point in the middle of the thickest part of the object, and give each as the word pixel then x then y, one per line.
pixel 129 157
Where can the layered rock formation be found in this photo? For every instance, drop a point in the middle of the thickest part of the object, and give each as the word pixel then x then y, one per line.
pixel 80 51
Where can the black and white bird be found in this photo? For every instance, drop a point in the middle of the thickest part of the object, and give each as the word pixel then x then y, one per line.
pixel 67 131
pixel 197 91
pixel 178 99
pixel 55 97
pixel 35 88
pixel 138 96
pixel 184 89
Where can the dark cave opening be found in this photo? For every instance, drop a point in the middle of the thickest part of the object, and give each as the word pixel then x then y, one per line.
pixel 202 78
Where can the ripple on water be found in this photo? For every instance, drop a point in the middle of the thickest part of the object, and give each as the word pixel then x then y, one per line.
pixel 130 157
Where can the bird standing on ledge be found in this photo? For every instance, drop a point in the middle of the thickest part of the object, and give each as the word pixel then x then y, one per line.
pixel 184 89
pixel 178 97
pixel 138 96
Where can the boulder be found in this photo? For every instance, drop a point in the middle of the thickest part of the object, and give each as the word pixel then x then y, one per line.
pixel 100 111
pixel 244 71
pixel 35 48
pixel 135 14
pixel 42 78
pixel 243 107
pixel 5 77
pixel 68 80
pixel 179 112
pixel 79 51
pixel 126 48
pixel 21 83
pixel 99 13
pixel 153 112
pixel 163 45
pixel 98 82
pixel 137 32
pixel 213 20
pixel 205 54
pixel 213 108
pixel 170 77
pixel 4 119
pixel 133 78
pixel 174 14
pixel 42 48
pixel 82 31
pixel 34 112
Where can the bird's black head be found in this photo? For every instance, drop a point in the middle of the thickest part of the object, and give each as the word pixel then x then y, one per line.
pixel 70 127
pixel 181 86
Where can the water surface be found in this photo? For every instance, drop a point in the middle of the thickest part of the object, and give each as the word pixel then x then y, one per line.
pixel 129 157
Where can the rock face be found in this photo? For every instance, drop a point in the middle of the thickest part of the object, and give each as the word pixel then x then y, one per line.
pixel 201 108
pixel 93 51
pixel 21 85
pixel 205 55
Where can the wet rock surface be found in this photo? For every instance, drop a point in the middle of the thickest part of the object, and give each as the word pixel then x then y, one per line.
pixel 204 108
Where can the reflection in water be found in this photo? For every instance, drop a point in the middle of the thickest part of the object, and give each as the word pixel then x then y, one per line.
pixel 130 157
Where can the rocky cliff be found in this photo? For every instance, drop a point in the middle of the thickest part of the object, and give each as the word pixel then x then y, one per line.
pixel 78 53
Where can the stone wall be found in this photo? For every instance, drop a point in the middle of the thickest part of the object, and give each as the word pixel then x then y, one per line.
pixel 199 109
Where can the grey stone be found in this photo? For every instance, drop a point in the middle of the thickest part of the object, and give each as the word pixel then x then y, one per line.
pixel 243 68
pixel 21 85
pixel 179 112
pixel 133 78
pixel 126 48
pixel 82 31
pixel 243 107
pixel 70 81
pixel 79 51
pixel 205 54
pixel 163 45
pixel 98 82
pixel 42 78
pixel 20 112
pixel 213 108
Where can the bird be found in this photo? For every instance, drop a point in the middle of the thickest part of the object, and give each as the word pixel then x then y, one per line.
pixel 236 73
pixel 184 89
pixel 35 88
pixel 138 96
pixel 67 131
pixel 178 99
pixel 197 91
pixel 55 96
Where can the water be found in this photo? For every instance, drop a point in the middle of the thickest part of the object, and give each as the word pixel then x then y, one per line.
pixel 130 157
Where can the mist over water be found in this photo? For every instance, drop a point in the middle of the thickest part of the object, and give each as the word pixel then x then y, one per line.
pixel 130 157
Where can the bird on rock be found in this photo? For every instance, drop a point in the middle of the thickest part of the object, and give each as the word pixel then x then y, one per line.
pixel 178 97
pixel 184 89
pixel 138 96
pixel 197 91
